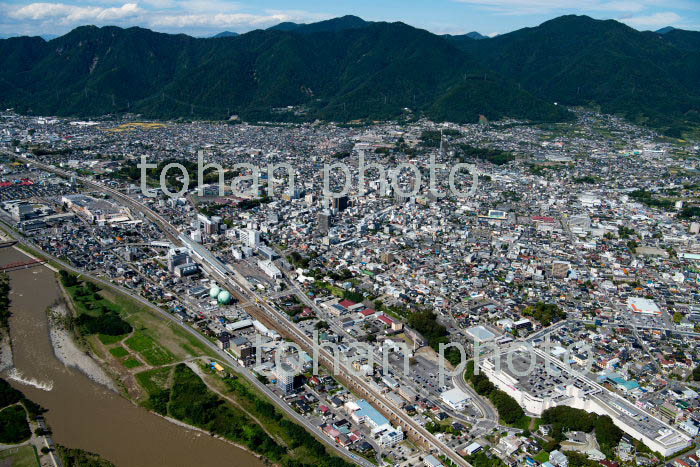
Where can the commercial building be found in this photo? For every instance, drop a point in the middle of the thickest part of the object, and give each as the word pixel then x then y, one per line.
pixel 480 334
pixel 97 210
pixel 269 268
pixel 363 412
pixel 537 388
pixel 249 237
pixel 643 306
pixel 455 398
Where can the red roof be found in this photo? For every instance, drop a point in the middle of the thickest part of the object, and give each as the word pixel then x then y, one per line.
pixel 386 320
pixel 368 312
pixel 543 219
pixel 347 303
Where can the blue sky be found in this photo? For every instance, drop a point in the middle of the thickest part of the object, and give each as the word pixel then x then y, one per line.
pixel 204 17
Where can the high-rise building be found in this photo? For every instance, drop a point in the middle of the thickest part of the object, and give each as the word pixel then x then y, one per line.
pixel 324 221
pixel 341 204
pixel 560 269
pixel 176 257
pixel 249 237
pixel 285 378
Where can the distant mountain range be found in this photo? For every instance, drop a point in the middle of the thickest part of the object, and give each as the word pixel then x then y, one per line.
pixel 347 68
pixel 46 37
pixel 225 34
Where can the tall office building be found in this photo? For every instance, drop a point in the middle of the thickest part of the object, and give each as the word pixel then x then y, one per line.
pixel 285 378
pixel 324 221
pixel 341 204
pixel 249 237
pixel 176 257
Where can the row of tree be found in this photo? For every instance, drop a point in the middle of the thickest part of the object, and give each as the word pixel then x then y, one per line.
pixel 564 419
pixel 508 408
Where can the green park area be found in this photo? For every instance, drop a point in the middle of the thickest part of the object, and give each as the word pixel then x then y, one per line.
pixel 145 345
pixel 226 406
pixel 21 456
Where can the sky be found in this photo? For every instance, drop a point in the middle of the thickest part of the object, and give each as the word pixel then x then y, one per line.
pixel 206 17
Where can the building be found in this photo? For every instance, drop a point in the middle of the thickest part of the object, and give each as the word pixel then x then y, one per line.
pixel 363 412
pixel 243 350
pixel 324 221
pixel 267 252
pixel 269 268
pixel 480 334
pixel 96 210
pixel 473 449
pixel 432 461
pixel 341 203
pixel 455 398
pixel 522 324
pixel 537 388
pixel 560 269
pixel 558 458
pixel 180 263
pixel 285 378
pixel 643 306
pixel 183 270
pixel 249 237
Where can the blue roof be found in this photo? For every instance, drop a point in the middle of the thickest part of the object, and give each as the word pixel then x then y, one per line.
pixel 366 409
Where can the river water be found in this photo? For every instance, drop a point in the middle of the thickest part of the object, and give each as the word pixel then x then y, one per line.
pixel 84 414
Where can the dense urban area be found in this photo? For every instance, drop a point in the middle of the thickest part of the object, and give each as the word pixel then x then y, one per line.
pixel 536 303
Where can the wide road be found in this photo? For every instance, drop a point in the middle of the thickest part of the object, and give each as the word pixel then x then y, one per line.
pixel 414 430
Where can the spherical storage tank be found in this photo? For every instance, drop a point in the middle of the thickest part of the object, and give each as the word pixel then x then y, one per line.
pixel 224 297
pixel 214 291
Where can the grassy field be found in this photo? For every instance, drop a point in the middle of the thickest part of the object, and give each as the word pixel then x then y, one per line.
pixel 132 363
pixel 109 340
pixel 154 380
pixel 154 354
pixel 119 351
pixel 23 456
pixel 168 334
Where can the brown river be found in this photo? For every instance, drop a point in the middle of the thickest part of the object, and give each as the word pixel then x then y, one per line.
pixel 84 414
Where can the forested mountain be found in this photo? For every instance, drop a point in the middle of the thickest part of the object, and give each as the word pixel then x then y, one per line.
pixel 350 71
pixel 347 68
pixel 650 78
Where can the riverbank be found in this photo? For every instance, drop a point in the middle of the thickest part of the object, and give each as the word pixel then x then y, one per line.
pixel 82 413
pixel 68 352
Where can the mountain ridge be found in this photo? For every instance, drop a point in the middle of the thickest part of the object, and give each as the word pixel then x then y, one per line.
pixel 347 68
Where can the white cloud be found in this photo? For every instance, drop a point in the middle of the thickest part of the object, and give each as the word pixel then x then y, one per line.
pixel 161 3
pixel 655 21
pixel 578 6
pixel 70 14
pixel 172 15
pixel 232 20
pixel 207 6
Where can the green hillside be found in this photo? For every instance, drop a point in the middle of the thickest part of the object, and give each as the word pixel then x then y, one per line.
pixel 347 68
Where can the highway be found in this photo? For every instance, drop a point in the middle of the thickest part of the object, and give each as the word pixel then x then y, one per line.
pixel 265 312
